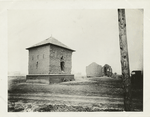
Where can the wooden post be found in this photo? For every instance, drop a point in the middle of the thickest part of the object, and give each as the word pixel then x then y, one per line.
pixel 124 59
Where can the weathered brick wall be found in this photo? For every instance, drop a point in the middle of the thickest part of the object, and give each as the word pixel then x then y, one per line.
pixel 55 55
pixel 39 60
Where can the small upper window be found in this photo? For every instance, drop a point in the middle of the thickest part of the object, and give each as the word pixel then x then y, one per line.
pixel 36 65
pixel 32 58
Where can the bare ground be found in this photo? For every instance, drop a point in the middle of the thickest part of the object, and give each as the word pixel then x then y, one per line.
pixel 88 95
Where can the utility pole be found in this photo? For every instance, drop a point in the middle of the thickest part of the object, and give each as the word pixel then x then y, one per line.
pixel 124 59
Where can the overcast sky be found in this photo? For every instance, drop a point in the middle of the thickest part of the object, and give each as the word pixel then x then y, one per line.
pixel 93 34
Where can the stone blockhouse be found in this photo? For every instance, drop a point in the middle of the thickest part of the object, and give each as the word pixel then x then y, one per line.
pixel 94 70
pixel 50 57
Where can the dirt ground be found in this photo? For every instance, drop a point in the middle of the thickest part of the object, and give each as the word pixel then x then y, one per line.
pixel 83 94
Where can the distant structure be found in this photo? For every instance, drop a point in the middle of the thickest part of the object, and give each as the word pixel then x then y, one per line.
pixel 94 70
pixel 15 73
pixel 50 61
pixel 107 70
pixel 115 75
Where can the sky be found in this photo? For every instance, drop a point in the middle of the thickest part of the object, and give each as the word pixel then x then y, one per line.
pixel 93 33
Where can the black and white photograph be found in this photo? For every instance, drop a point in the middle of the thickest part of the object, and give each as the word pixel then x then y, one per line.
pixel 75 60
pixel 74 57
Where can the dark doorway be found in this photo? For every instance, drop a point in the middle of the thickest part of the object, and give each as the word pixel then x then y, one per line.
pixel 105 71
pixel 62 64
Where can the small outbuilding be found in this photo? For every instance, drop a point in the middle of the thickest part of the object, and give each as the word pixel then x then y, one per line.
pixel 94 70
pixel 107 70
pixel 50 61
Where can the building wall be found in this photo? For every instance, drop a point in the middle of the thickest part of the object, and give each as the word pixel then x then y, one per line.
pixel 49 78
pixel 55 55
pixel 94 70
pixel 39 60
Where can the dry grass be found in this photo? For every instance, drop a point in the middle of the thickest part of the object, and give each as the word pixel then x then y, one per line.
pixel 97 87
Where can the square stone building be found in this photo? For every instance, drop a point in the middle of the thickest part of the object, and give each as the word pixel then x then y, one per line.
pixel 50 61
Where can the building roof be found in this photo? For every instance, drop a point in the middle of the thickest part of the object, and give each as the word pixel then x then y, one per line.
pixel 106 65
pixel 50 40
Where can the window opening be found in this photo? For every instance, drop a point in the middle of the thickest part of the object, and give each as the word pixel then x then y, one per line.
pixel 36 65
